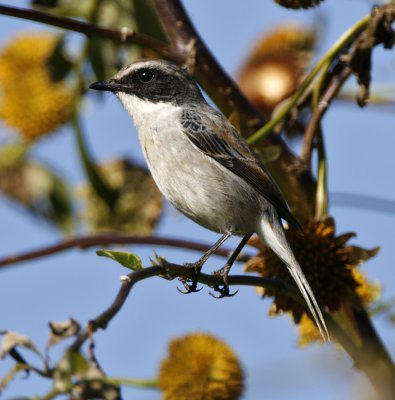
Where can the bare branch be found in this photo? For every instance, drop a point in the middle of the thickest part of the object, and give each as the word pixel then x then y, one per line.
pixel 172 271
pixel 358 61
pixel 330 93
pixel 90 30
pixel 217 83
pixel 84 242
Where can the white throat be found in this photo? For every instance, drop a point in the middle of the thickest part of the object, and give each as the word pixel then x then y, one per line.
pixel 148 115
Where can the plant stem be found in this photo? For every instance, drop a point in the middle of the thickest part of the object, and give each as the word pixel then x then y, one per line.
pixel 108 194
pixel 321 199
pixel 342 42
pixel 101 188
pixel 84 242
pixel 143 383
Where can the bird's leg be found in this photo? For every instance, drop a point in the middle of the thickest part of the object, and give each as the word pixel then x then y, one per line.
pixel 224 271
pixel 197 266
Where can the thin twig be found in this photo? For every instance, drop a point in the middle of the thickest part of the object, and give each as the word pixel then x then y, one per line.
pixel 84 242
pixel 90 30
pixel 102 320
pixel 330 55
pixel 330 93
pixel 172 271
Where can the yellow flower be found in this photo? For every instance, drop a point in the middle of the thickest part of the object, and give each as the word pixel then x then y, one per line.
pixel 328 263
pixel 30 101
pixel 200 366
pixel 298 3
pixel 277 65
pixel 367 291
pixel 139 204
pixel 308 332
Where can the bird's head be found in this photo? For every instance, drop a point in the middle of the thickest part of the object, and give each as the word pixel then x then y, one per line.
pixel 153 81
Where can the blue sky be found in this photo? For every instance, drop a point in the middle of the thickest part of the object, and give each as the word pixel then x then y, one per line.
pixel 79 284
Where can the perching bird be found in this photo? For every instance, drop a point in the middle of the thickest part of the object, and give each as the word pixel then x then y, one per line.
pixel 203 166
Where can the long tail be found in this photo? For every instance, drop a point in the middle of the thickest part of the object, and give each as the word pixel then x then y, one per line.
pixel 272 233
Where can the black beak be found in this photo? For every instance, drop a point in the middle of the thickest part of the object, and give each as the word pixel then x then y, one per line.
pixel 110 86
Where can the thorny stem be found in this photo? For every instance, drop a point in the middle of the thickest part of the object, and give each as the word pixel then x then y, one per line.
pixel 336 48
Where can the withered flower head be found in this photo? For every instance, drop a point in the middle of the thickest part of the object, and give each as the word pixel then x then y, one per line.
pixel 21 179
pixel 296 4
pixel 367 292
pixel 139 204
pixel 30 101
pixel 200 366
pixel 277 65
pixel 328 263
pixel 34 186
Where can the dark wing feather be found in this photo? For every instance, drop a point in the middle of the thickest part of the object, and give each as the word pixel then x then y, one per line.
pixel 234 154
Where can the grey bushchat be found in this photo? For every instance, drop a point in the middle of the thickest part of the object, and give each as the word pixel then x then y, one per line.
pixel 203 166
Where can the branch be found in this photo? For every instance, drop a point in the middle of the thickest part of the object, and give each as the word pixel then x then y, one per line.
pixel 330 93
pixel 186 41
pixel 123 35
pixel 84 242
pixel 171 271
pixel 379 369
pixel 377 30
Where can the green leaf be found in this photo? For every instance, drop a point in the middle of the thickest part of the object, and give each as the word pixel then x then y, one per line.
pixel 128 260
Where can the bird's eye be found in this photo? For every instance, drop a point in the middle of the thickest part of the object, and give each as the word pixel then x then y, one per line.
pixel 146 76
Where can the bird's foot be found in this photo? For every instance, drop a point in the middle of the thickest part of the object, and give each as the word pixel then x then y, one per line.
pixel 190 285
pixel 223 290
